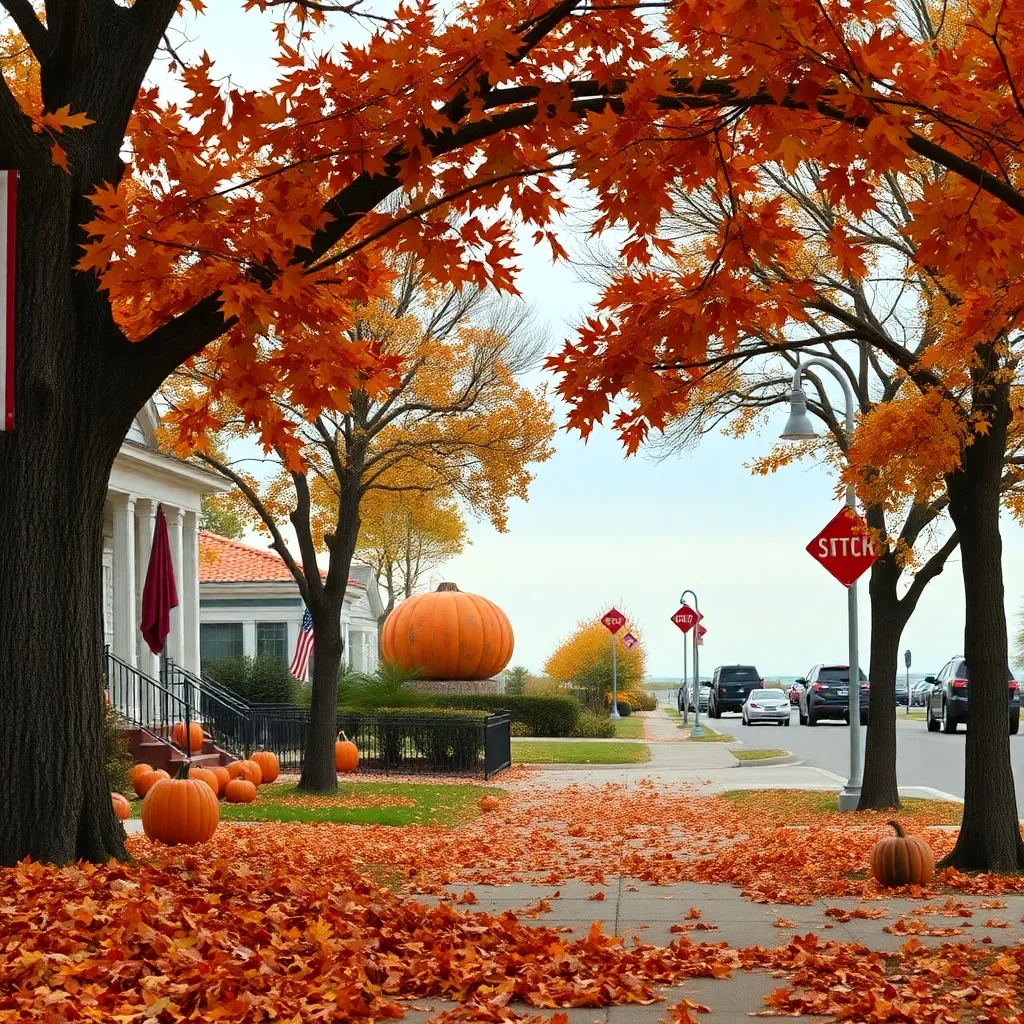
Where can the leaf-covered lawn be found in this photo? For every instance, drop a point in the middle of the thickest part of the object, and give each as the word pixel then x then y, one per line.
pixel 361 803
pixel 758 755
pixel 583 752
pixel 802 805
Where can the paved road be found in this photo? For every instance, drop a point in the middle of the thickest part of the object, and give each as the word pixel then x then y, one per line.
pixel 923 758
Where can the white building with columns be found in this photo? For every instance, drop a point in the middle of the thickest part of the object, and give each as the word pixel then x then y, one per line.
pixel 142 479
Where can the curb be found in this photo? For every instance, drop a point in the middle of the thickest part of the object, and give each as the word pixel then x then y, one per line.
pixel 766 762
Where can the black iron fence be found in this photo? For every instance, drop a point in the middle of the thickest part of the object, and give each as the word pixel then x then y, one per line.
pixel 224 715
pixel 146 703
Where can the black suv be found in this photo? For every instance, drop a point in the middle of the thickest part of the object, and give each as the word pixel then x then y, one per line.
pixel 729 688
pixel 826 694
pixel 946 706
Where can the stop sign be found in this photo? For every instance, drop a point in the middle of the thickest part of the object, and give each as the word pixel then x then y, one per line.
pixel 845 547
pixel 686 618
pixel 613 620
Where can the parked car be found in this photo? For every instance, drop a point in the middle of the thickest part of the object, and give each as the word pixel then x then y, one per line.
pixel 730 685
pixel 948 702
pixel 705 697
pixel 826 694
pixel 702 697
pixel 919 693
pixel 766 706
pixel 794 693
pixel 901 693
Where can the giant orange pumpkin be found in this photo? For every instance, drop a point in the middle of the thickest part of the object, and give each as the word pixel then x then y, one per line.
pixel 180 810
pixel 194 732
pixel 448 635
pixel 269 765
pixel 902 859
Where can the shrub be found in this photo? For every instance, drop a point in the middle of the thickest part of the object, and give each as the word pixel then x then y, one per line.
pixel 543 687
pixel 391 686
pixel 116 757
pixel 625 709
pixel 260 680
pixel 640 700
pixel 521 729
pixel 544 716
pixel 594 726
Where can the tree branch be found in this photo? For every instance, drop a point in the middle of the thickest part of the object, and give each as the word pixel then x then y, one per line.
pixel 932 568
pixel 29 25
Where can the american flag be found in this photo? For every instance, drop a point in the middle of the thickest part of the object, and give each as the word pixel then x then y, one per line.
pixel 303 648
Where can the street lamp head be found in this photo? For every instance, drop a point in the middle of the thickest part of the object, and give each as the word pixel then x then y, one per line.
pixel 799 426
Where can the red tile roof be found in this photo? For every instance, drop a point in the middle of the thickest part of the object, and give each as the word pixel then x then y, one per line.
pixel 222 560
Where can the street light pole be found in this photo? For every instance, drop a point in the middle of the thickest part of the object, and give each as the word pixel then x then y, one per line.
pixel 685 690
pixel 615 680
pixel 799 428
pixel 697 730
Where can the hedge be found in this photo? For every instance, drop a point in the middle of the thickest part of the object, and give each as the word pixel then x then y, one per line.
pixel 543 716
pixel 594 726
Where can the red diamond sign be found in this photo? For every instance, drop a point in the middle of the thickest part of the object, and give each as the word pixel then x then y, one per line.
pixel 686 618
pixel 700 631
pixel 845 547
pixel 613 621
pixel 629 641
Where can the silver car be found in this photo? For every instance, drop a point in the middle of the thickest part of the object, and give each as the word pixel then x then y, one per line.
pixel 766 706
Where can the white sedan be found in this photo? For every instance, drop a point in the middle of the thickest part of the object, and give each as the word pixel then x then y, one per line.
pixel 766 706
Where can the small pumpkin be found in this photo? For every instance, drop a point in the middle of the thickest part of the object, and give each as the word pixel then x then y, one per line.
pixel 489 803
pixel 205 775
pixel 240 791
pixel 222 777
pixel 139 769
pixel 346 755
pixel 246 770
pixel 147 780
pixel 902 859
pixel 193 733
pixel 180 810
pixel 122 808
pixel 270 767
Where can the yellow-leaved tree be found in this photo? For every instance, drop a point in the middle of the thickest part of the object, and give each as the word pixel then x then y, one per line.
pixel 584 660
pixel 456 427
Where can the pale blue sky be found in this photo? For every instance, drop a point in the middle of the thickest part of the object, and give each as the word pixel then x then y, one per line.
pixel 600 528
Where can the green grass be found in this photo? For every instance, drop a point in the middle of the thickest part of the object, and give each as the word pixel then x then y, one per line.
pixel 629 729
pixel 360 803
pixel 758 755
pixel 672 712
pixel 710 735
pixel 795 806
pixel 583 752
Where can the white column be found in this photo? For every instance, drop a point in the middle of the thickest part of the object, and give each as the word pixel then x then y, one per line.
pixel 124 576
pixel 249 638
pixel 145 508
pixel 176 640
pixel 190 591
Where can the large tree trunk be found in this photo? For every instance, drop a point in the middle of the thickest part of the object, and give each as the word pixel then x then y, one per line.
pixel 990 838
pixel 54 793
pixel 879 790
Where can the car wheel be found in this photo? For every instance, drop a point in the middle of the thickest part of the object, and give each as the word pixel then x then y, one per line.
pixel 948 724
pixel 786 722
pixel 800 715
pixel 932 723
pixel 811 719
pixel 745 722
pixel 1014 724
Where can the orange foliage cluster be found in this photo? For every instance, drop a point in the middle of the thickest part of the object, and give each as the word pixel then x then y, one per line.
pixel 278 921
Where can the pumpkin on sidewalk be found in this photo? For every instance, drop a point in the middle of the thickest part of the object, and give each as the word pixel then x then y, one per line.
pixel 180 810
pixel 902 859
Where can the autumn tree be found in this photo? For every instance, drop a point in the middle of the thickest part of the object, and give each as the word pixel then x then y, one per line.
pixel 457 426
pixel 584 659
pixel 873 287
pixel 407 532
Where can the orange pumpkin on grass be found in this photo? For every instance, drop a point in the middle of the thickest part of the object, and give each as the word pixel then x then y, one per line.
pixel 489 803
pixel 222 777
pixel 194 732
pixel 346 755
pixel 139 769
pixel 205 775
pixel 448 635
pixel 180 810
pixel 902 859
pixel 269 765
pixel 246 770
pixel 122 808
pixel 147 780
pixel 240 791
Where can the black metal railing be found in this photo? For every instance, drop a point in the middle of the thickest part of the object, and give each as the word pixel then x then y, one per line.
pixel 224 715
pixel 497 743
pixel 281 728
pixel 146 703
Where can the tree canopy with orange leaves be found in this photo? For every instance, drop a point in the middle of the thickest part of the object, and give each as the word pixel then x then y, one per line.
pixel 584 658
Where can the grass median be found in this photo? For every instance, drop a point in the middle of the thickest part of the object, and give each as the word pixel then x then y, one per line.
pixel 799 806
pixel 710 735
pixel 758 755
pixel 360 803
pixel 580 752
pixel 629 728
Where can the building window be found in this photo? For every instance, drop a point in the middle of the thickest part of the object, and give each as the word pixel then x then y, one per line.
pixel 272 640
pixel 219 640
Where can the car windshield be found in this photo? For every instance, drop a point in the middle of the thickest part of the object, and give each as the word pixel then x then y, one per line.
pixel 739 674
pixel 837 674
pixel 767 695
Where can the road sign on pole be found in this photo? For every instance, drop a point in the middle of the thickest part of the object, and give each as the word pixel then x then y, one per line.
pixel 613 621
pixel 845 547
pixel 700 634
pixel 906 658
pixel 686 618
pixel 629 641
